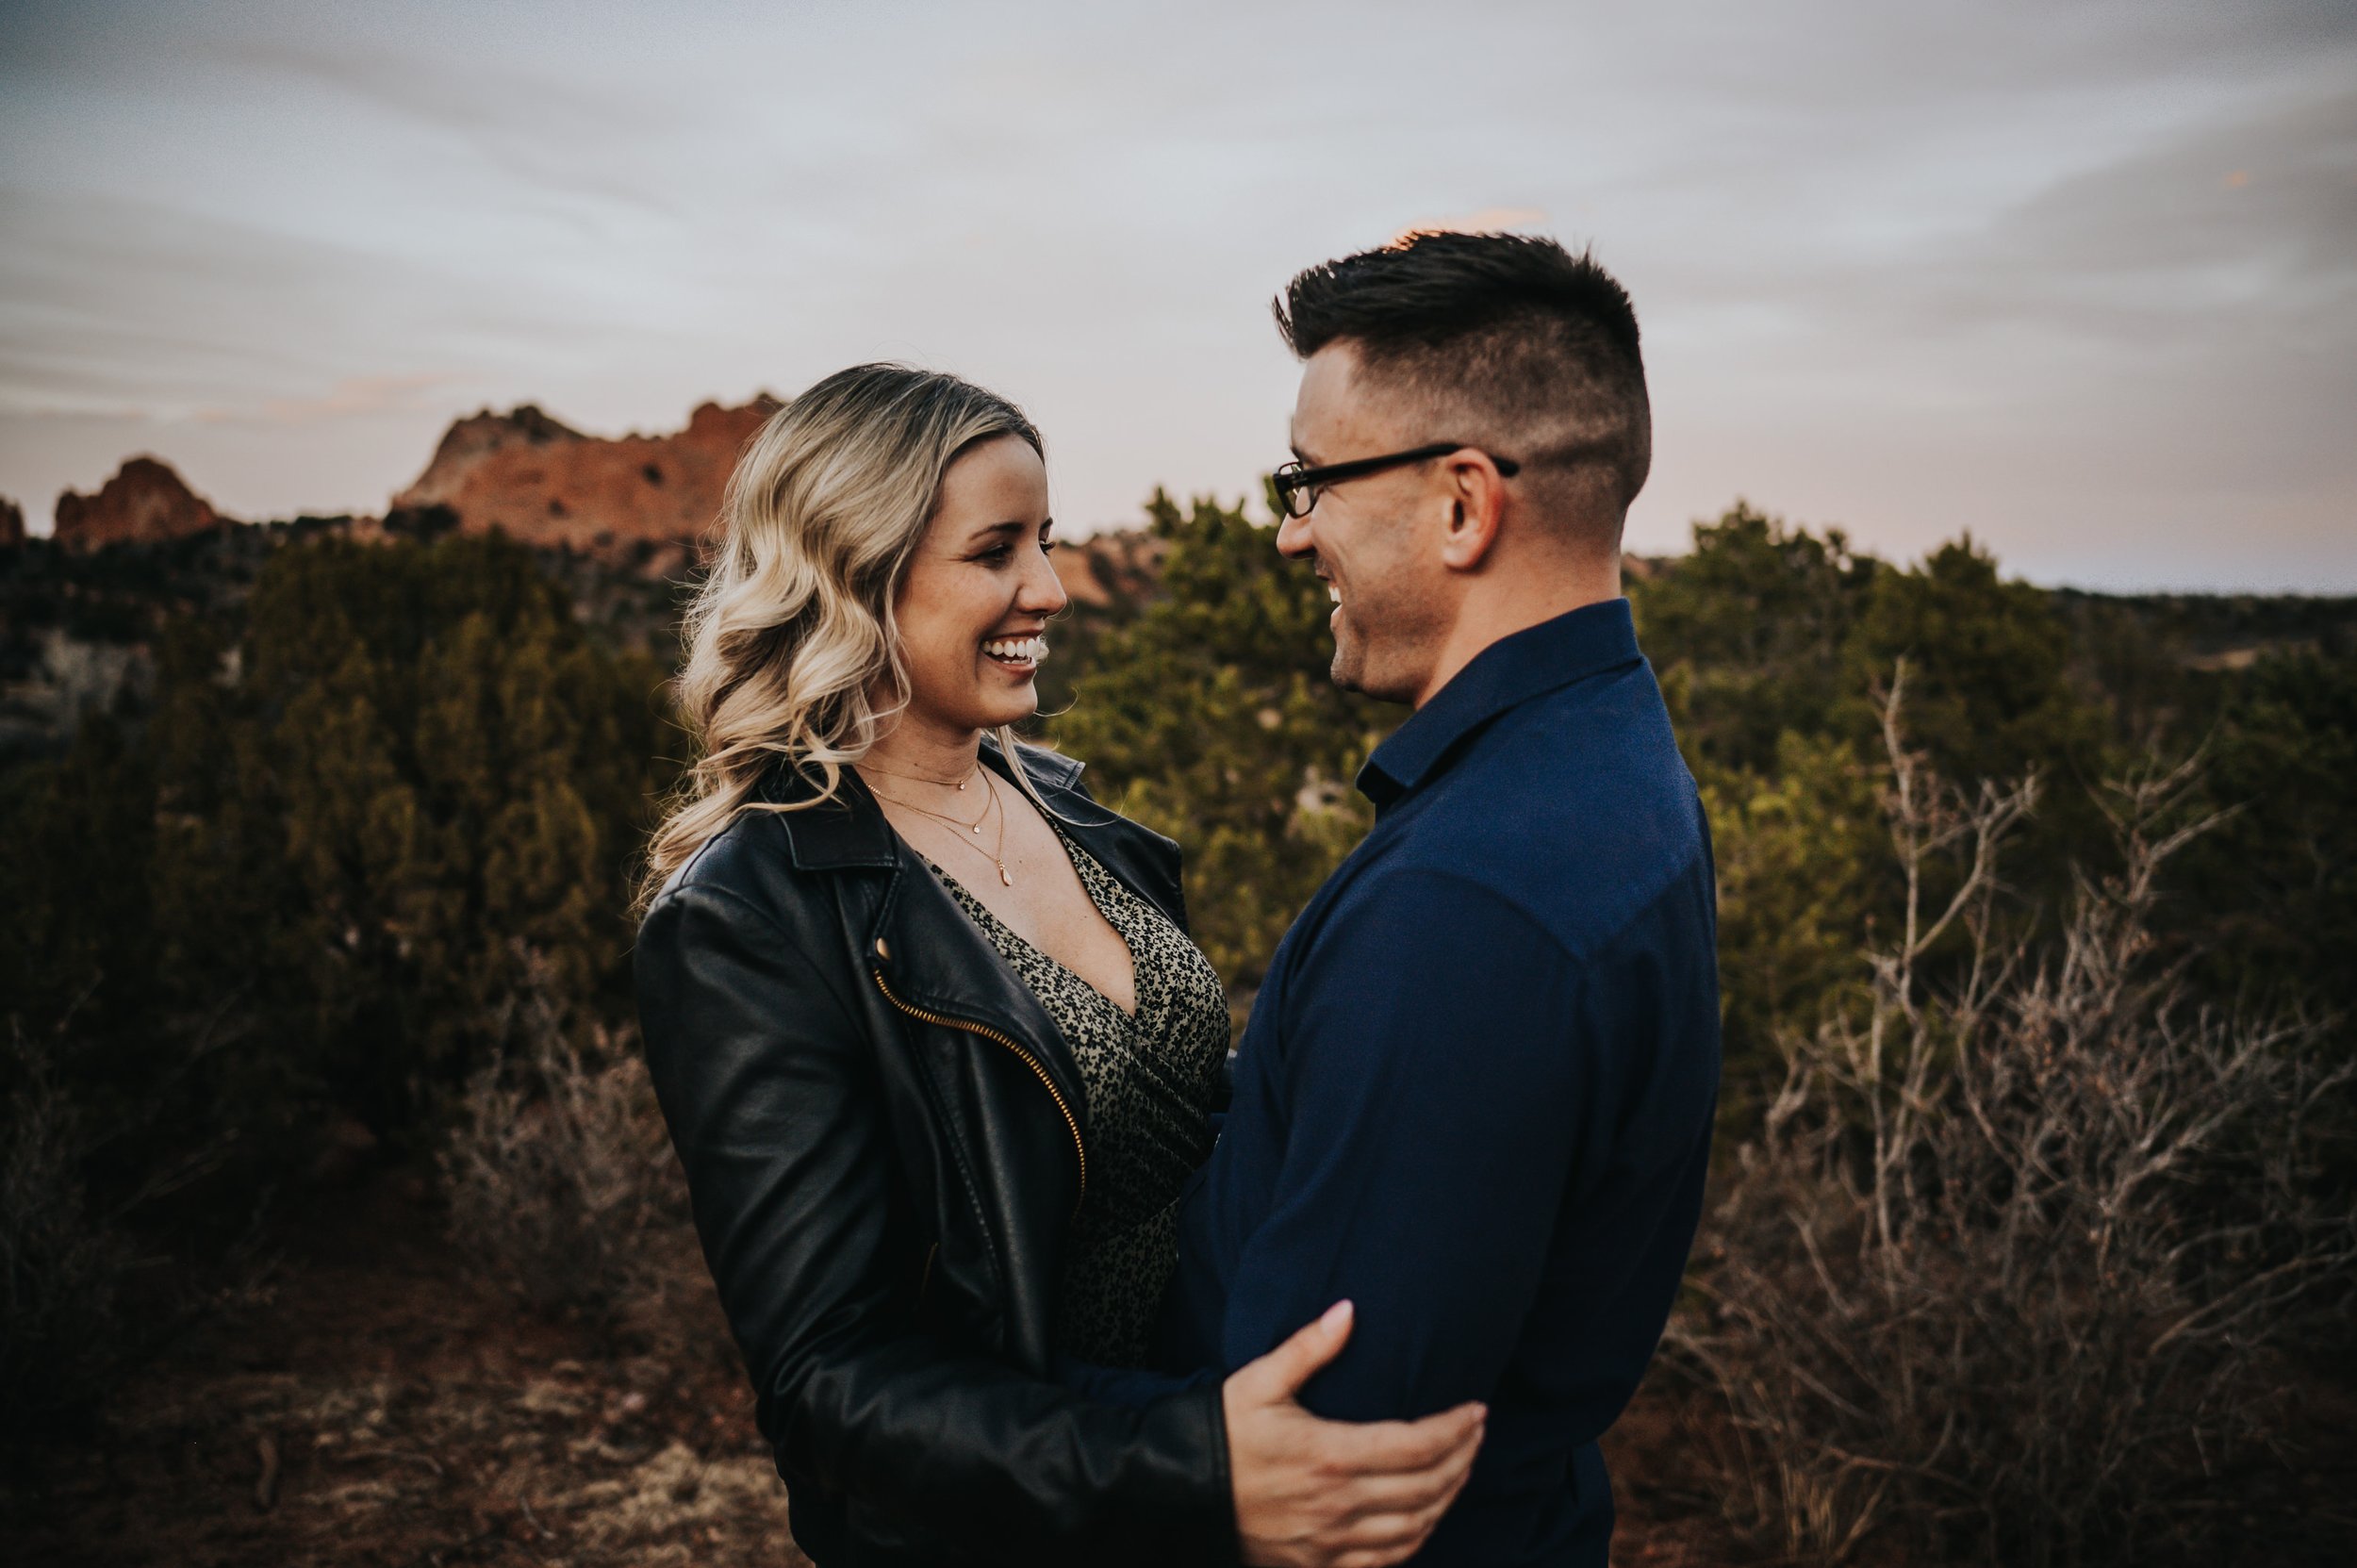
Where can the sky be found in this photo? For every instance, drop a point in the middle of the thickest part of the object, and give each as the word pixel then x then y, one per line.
pixel 2076 276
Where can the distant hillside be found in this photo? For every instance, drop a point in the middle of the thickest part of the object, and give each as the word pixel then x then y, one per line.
pixel 618 521
pixel 79 625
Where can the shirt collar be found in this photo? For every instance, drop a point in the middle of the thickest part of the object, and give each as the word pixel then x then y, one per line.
pixel 1512 671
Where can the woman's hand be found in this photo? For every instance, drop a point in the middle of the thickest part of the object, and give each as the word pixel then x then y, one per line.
pixel 1315 1493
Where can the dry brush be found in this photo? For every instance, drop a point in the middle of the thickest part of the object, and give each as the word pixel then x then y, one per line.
pixel 2004 1270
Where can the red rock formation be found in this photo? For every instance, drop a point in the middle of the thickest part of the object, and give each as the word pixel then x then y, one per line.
pixel 144 501
pixel 1117 568
pixel 545 483
pixel 11 524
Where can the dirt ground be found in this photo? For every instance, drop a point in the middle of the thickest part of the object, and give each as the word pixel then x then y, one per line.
pixel 375 1407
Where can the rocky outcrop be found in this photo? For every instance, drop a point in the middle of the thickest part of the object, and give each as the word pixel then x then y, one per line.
pixel 145 503
pixel 11 524
pixel 1116 569
pixel 546 484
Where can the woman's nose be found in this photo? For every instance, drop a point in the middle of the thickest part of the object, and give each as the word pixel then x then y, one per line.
pixel 1042 590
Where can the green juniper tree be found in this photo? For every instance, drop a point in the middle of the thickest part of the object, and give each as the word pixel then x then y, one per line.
pixel 1211 717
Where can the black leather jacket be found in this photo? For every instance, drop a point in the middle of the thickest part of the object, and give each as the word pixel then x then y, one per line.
pixel 886 1138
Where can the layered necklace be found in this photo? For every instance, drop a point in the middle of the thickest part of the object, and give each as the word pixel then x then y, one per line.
pixel 995 854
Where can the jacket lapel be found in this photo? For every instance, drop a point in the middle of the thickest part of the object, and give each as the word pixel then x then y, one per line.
pixel 921 943
pixel 918 941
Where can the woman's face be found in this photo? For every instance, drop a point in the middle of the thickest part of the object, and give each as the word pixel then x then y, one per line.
pixel 976 600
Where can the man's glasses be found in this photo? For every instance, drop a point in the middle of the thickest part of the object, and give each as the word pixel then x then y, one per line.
pixel 1297 484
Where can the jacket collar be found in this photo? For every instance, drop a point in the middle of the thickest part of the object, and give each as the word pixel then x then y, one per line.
pixel 919 942
pixel 1512 671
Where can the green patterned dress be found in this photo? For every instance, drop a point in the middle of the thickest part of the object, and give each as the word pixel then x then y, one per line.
pixel 1150 1080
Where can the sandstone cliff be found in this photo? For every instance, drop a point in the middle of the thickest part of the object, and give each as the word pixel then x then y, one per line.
pixel 144 502
pixel 546 484
pixel 1116 569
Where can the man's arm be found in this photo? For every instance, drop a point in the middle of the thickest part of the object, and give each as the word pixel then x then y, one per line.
pixel 1132 1387
pixel 1441 1079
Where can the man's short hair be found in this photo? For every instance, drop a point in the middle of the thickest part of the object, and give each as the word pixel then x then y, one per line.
pixel 1503 338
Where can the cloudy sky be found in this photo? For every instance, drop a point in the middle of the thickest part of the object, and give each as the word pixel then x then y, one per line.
pixel 2078 277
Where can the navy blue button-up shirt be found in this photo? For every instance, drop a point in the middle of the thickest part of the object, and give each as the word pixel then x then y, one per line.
pixel 1475 1093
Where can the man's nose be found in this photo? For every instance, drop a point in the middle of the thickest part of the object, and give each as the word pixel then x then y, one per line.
pixel 1292 537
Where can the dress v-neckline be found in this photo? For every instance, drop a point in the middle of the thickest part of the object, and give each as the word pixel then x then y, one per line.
pixel 1137 991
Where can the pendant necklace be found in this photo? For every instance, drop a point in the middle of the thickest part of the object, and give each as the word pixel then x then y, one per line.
pixel 974 827
pixel 997 854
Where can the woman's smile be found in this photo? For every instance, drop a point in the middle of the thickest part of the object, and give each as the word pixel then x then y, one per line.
pixel 1020 655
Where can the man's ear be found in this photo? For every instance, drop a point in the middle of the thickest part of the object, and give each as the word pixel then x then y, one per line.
pixel 1474 499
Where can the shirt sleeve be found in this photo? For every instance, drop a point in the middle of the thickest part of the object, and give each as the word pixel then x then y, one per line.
pixel 1133 1387
pixel 1442 1079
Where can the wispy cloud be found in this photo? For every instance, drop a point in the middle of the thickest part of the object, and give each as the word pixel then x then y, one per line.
pixel 554 138
pixel 2079 278
pixel 352 397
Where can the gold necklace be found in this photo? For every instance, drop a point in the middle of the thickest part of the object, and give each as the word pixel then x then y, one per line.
pixel 995 854
pixel 867 767
pixel 974 827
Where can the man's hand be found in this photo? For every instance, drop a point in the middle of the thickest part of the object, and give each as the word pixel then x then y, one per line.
pixel 1315 1493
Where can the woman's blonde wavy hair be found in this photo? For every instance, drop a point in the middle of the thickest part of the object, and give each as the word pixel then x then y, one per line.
pixel 791 633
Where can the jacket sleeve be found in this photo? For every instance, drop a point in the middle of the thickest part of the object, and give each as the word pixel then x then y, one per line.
pixel 767 1084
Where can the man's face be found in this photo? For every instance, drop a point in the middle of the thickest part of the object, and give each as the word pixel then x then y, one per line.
pixel 1374 539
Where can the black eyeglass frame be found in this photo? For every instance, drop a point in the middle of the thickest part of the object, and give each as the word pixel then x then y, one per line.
pixel 1297 478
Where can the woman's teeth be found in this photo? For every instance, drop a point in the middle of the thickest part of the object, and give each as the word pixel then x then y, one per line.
pixel 1017 649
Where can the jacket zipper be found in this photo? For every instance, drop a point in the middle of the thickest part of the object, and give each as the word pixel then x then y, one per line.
pixel 1071 1122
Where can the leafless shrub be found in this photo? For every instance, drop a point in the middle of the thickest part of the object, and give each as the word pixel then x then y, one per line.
pixel 63 1266
pixel 562 1183
pixel 83 1170
pixel 2000 1273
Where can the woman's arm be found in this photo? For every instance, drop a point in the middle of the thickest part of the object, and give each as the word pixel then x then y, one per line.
pixel 766 1081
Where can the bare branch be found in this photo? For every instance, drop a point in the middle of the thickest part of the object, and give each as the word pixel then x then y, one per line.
pixel 2012 1237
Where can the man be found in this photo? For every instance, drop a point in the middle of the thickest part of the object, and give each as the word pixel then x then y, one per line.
pixel 1476 1095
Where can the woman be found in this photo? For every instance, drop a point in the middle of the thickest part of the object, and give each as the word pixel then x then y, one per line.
pixel 935 1051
